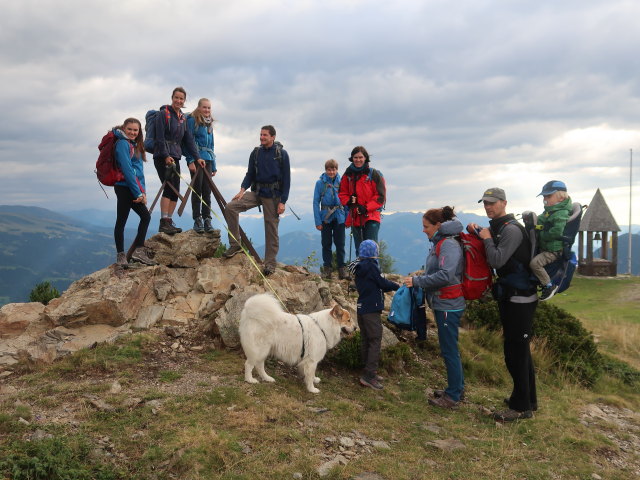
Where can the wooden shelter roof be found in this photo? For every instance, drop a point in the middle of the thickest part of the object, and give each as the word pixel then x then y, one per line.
pixel 598 217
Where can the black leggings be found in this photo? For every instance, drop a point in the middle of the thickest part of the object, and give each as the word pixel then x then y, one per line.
pixel 203 188
pixel 161 168
pixel 125 205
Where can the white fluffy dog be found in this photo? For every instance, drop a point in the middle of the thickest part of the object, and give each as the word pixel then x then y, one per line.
pixel 301 340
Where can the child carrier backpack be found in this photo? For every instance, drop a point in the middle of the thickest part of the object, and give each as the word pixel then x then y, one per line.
pixel 560 270
pixel 107 169
pixel 150 128
pixel 404 307
pixel 477 276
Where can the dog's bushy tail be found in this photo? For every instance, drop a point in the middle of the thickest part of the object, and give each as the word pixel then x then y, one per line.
pixel 263 308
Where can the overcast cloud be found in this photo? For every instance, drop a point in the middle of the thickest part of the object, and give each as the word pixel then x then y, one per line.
pixel 449 98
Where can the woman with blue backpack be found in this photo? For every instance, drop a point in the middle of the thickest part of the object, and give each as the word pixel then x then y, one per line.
pixel 131 193
pixel 442 284
pixel 329 216
pixel 200 124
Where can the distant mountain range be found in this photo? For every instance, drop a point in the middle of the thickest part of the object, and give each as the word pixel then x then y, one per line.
pixel 37 244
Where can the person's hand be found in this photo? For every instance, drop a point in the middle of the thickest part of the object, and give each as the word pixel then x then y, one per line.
pixel 168 160
pixel 408 281
pixel 318 227
pixel 473 228
pixel 213 173
pixel 141 199
pixel 362 210
pixel 192 167
pixel 201 162
pixel 239 195
pixel 484 233
pixel 353 201
pixel 281 208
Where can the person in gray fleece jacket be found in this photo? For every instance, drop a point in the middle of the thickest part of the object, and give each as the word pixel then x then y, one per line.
pixel 442 283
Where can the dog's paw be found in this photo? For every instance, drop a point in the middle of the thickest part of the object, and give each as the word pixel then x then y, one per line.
pixel 269 379
pixel 313 390
pixel 316 379
pixel 251 380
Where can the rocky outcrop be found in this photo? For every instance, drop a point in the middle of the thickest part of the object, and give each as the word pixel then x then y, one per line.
pixel 190 288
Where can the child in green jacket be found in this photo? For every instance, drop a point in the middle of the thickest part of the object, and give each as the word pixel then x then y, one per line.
pixel 551 223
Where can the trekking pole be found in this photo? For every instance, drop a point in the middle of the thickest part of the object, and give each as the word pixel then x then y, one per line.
pixel 294 213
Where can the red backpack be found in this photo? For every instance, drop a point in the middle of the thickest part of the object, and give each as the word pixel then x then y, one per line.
pixel 107 169
pixel 477 275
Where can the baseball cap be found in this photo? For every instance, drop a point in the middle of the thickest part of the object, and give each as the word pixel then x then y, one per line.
pixel 493 195
pixel 552 187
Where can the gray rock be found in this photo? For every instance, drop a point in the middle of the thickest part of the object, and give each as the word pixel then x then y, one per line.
pixel 324 469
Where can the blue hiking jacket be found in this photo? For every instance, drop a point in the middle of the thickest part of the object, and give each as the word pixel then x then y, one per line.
pixel 204 142
pixel 269 172
pixel 130 164
pixel 325 196
pixel 371 285
pixel 443 270
pixel 172 135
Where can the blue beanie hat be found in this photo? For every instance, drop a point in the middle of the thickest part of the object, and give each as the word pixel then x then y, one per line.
pixel 368 249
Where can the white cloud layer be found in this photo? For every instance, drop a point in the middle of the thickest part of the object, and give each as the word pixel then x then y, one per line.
pixel 449 98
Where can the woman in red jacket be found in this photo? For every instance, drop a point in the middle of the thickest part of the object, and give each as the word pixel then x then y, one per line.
pixel 363 191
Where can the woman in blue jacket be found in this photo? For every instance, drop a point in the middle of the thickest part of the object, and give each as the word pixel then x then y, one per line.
pixel 130 192
pixel 329 215
pixel 200 124
pixel 442 284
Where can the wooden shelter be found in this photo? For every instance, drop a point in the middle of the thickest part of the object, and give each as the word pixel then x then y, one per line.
pixel 599 226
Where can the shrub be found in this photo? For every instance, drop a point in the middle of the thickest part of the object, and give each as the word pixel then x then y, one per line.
pixel 571 345
pixel 621 370
pixel 347 353
pixel 43 292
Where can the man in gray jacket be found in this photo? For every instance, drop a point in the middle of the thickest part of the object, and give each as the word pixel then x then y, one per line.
pixel 508 252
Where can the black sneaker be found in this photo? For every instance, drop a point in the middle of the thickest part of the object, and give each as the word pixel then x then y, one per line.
pixel 198 226
pixel 511 415
pixel 371 383
pixel 207 225
pixel 548 292
pixel 534 406
pixel 230 252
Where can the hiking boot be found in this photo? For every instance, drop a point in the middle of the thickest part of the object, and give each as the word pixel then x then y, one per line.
pixel 326 272
pixel 167 226
pixel 207 225
pixel 371 383
pixel 548 292
pixel 343 274
pixel 511 415
pixel 198 226
pixel 230 252
pixel 121 259
pixel 268 271
pixel 441 393
pixel 140 255
pixel 445 401
pixel 534 406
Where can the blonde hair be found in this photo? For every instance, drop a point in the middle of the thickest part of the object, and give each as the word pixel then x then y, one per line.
pixel 561 195
pixel 331 163
pixel 199 118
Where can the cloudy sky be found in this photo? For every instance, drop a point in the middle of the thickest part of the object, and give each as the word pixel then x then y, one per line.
pixel 448 97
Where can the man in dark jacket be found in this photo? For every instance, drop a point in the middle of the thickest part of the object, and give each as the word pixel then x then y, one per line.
pixel 269 176
pixel 508 252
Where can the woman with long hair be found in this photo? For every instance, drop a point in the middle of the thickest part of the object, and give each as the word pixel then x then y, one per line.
pixel 130 192
pixel 200 124
pixel 442 284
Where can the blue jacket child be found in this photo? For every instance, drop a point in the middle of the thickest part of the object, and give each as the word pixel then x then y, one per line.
pixel 371 285
pixel 329 216
pixel 130 163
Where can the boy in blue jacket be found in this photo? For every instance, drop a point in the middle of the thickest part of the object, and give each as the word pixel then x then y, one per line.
pixel 371 285
pixel 329 215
